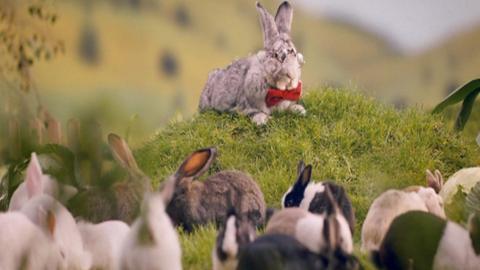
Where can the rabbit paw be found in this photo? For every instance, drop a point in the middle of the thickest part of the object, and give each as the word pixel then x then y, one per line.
pixel 260 119
pixel 297 108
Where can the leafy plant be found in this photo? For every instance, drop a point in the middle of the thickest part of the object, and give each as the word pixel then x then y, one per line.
pixel 466 93
pixel 472 202
pixel 25 38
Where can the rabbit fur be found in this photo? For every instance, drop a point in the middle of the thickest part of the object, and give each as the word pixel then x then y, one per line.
pixel 312 196
pixel 242 86
pixel 200 202
pixel 393 203
pixel 104 241
pixel 35 177
pixel 50 215
pixel 120 201
pixel 152 243
pixel 24 246
pixel 232 236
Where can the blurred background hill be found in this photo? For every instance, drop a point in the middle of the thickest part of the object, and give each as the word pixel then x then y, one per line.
pixel 137 64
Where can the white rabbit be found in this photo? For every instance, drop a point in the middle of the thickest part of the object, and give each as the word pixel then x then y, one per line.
pixel 35 179
pixel 24 246
pixel 104 241
pixel 152 243
pixel 393 203
pixel 65 231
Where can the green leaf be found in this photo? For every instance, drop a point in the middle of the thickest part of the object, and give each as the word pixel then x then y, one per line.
pixel 458 95
pixel 455 210
pixel 472 202
pixel 466 109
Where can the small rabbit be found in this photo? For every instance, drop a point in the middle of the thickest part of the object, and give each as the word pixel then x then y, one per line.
pixel 232 236
pixel 104 241
pixel 35 179
pixel 307 227
pixel 54 218
pixel 152 243
pixel 24 246
pixel 120 201
pixel 197 203
pixel 393 203
pixel 279 251
pixel 420 240
pixel 260 83
pixel 311 196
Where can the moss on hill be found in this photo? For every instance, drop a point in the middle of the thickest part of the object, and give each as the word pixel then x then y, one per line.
pixel 349 138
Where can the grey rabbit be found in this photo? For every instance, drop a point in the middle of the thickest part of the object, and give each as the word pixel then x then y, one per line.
pixel 260 83
pixel 119 201
pixel 200 202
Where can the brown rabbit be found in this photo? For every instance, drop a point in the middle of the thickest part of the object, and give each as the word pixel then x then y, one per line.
pixel 200 202
pixel 120 201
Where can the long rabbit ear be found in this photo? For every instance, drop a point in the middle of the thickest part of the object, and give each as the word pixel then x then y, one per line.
pixel 305 176
pixel 269 28
pixel 167 190
pixel 34 179
pixel 284 17
pixel 197 163
pixel 122 152
pixel 46 219
pixel 434 181
pixel 300 167
pixel 332 207
pixel 331 233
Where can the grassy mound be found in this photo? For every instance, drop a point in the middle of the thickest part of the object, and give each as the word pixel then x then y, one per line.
pixel 349 138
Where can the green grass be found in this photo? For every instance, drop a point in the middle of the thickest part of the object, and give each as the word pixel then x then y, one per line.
pixel 349 138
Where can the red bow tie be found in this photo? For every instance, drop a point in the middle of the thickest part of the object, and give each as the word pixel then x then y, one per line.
pixel 275 96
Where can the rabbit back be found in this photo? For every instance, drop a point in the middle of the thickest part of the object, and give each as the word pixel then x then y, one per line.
pixel 198 203
pixel 235 88
pixel 239 190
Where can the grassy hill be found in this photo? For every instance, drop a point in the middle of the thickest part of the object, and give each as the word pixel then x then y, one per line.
pixel 116 54
pixel 349 138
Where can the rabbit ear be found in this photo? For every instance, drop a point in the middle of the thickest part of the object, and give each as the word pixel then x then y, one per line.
pixel 269 28
pixel 122 152
pixel 47 220
pixel 439 176
pixel 434 181
pixel 331 233
pixel 167 190
pixel 300 167
pixel 284 17
pixel 34 179
pixel 227 243
pixel 197 163
pixel 332 207
pixel 474 230
pixel 305 176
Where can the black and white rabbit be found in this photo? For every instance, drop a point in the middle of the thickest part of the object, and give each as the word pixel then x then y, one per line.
pixel 312 197
pixel 280 251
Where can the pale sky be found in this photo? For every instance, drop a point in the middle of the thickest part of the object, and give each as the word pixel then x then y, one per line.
pixel 412 25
